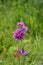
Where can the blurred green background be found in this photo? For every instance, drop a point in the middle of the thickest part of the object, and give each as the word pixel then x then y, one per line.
pixel 31 13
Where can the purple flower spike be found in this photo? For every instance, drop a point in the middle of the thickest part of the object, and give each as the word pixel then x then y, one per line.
pixel 22 52
pixel 20 23
pixel 19 34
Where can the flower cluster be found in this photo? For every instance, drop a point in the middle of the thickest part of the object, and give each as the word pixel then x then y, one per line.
pixel 20 32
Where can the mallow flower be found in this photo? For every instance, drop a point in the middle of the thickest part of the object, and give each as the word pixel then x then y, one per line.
pixel 19 34
pixel 22 52
pixel 20 23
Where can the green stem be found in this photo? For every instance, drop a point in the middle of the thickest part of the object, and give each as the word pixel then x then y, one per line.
pixel 19 54
pixel 18 59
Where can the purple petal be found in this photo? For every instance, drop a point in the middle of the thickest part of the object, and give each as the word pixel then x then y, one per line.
pixel 26 53
pixel 25 28
pixel 22 53
pixel 20 23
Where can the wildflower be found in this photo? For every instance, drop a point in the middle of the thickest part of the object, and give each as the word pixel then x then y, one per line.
pixel 24 28
pixel 19 34
pixel 22 52
pixel 20 23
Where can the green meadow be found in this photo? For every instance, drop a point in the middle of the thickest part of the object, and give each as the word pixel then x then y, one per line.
pixel 31 13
